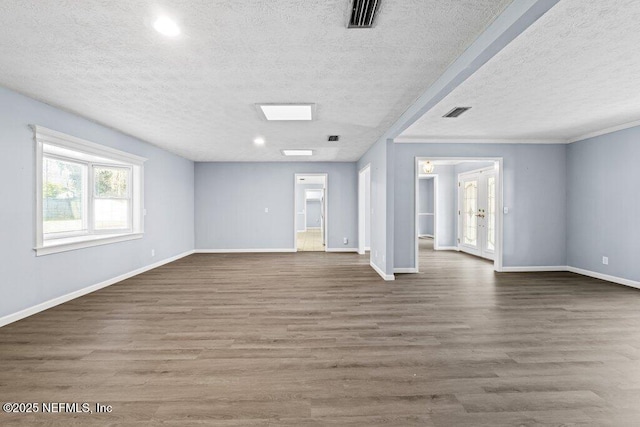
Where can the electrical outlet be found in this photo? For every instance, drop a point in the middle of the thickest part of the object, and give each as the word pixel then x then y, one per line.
pixel 153 252
pixel 506 210
pixel 266 210
pixel 345 241
pixel 605 260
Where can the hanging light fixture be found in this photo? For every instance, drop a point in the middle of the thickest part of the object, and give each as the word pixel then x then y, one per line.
pixel 427 167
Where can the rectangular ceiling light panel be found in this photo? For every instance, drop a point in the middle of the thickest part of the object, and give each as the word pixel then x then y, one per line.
pixel 297 152
pixel 287 111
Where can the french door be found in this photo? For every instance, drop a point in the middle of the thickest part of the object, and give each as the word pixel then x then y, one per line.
pixel 477 213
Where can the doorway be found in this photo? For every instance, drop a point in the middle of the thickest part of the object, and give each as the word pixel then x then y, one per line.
pixel 477 213
pixel 311 219
pixel 467 202
pixel 426 196
pixel 364 210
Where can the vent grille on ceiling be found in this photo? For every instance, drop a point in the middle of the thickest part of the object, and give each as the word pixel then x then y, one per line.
pixel 333 138
pixel 363 13
pixel 456 111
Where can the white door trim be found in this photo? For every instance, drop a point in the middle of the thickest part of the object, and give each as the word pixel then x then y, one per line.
pixel 362 206
pixel 326 208
pixel 497 262
pixel 436 245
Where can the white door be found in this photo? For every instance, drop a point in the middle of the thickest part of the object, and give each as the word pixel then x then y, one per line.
pixel 477 213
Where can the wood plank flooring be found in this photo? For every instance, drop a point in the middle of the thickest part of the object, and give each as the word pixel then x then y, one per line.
pixel 316 339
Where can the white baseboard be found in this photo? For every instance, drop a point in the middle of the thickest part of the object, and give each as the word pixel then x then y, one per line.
pixel 314 228
pixel 367 248
pixel 405 270
pixel 230 251
pixel 595 275
pixel 84 291
pixel 342 250
pixel 534 268
pixel 381 273
pixel 446 248
pixel 602 276
pixel 425 235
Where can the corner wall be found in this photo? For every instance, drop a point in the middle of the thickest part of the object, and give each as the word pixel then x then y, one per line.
pixel 380 157
pixel 26 280
pixel 603 212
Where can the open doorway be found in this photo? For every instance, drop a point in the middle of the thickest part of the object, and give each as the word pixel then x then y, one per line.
pixel 311 223
pixel 364 210
pixel 458 202
pixel 426 201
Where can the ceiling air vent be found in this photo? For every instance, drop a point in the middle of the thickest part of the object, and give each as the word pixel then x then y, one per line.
pixel 456 111
pixel 333 138
pixel 363 13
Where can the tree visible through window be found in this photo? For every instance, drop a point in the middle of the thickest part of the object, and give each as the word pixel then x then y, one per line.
pixel 87 193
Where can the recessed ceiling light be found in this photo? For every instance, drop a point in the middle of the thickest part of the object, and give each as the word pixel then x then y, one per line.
pixel 297 152
pixel 258 141
pixel 287 111
pixel 166 26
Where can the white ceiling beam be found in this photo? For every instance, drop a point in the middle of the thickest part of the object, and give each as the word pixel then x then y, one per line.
pixel 515 19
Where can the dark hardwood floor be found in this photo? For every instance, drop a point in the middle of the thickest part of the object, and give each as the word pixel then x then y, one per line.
pixel 319 339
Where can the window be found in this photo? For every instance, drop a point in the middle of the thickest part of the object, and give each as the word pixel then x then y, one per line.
pixel 87 194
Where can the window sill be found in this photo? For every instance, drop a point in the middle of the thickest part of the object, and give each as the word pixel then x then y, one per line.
pixel 73 243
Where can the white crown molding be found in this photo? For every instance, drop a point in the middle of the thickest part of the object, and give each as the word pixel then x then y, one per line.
pixel 84 291
pixel 605 131
pixel 453 140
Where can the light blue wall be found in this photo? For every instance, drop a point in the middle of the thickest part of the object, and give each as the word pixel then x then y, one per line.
pixel 534 192
pixel 603 215
pixel 27 280
pixel 426 195
pixel 471 166
pixel 426 202
pixel 381 203
pixel 231 199
pixel 314 213
pixel 300 207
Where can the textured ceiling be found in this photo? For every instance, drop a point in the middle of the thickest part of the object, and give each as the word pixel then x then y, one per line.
pixel 194 95
pixel 574 71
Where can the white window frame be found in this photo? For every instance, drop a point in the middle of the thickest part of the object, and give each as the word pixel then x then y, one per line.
pixel 92 155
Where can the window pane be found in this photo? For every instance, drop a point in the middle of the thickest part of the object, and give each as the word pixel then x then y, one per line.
pixel 111 182
pixel 491 215
pixel 470 206
pixel 111 214
pixel 63 200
